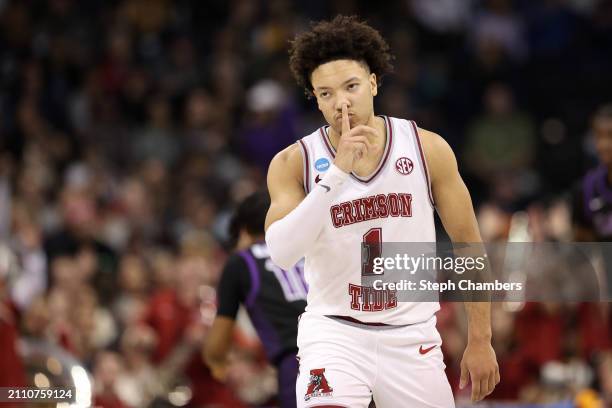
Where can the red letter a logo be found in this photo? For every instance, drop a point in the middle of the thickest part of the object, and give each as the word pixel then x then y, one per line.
pixel 318 386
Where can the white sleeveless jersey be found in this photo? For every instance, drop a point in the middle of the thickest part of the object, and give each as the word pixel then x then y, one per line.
pixel 393 204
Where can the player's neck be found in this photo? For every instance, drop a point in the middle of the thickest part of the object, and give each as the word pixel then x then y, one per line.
pixel 374 121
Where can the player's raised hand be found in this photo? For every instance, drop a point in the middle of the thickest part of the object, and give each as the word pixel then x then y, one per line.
pixel 353 144
pixel 479 365
pixel 346 123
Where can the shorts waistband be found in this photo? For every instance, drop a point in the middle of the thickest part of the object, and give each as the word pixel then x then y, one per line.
pixel 356 322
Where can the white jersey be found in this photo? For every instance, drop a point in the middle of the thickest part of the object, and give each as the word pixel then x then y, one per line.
pixel 393 204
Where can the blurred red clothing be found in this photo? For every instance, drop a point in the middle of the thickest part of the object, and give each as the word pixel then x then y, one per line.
pixel 539 333
pixel 170 319
pixel 516 373
pixel 12 371
pixel 593 328
pixel 108 401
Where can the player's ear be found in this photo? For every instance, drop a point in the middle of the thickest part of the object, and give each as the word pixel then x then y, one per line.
pixel 373 84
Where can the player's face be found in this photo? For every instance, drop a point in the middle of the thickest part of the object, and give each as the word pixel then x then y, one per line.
pixel 603 140
pixel 344 82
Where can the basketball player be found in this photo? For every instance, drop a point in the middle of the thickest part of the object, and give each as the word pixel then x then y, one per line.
pixel 367 176
pixel 592 201
pixel 273 298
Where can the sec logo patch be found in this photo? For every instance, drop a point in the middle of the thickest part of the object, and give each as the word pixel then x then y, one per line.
pixel 404 166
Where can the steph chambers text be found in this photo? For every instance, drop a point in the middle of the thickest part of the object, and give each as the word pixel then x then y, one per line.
pixel 462 285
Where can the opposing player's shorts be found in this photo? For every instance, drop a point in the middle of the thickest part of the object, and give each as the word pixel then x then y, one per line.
pixel 287 369
pixel 345 364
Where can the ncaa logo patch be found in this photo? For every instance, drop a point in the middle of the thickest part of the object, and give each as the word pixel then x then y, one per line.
pixel 404 166
pixel 322 164
pixel 317 385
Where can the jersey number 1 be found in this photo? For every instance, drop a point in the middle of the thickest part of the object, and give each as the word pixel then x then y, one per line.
pixel 371 248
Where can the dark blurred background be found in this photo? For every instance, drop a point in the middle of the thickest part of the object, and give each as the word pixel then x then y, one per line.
pixel 130 129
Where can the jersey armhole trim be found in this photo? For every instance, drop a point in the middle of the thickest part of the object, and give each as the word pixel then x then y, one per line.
pixel 306 165
pixel 423 163
pixel 255 283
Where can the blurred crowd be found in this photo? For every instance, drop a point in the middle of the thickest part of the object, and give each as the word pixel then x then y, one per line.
pixel 129 129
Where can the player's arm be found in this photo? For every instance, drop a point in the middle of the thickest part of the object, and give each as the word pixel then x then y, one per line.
pixel 233 285
pixel 294 220
pixel 285 184
pixel 454 207
pixel 218 343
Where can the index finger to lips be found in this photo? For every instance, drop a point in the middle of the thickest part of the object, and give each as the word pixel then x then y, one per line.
pixel 346 124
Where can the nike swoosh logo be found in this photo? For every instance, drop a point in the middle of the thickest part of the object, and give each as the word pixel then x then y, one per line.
pixel 427 350
pixel 318 178
pixel 328 188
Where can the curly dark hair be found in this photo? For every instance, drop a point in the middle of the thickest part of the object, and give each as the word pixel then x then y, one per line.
pixel 344 37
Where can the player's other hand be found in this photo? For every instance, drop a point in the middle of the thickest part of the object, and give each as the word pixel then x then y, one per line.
pixel 354 143
pixel 479 365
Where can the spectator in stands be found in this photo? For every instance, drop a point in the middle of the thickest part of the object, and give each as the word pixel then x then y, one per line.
pixel 174 314
pixel 12 372
pixel 500 147
pixel 107 370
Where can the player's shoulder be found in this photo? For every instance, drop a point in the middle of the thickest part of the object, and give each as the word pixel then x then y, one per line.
pixel 293 155
pixel 438 153
pixel 432 142
pixel 235 261
pixel 291 158
pixel 286 168
pixel 288 155
pixel 236 267
pixel 432 139
pixel 288 162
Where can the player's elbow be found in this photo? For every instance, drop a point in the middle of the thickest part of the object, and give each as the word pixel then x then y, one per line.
pixel 280 248
pixel 284 262
pixel 283 259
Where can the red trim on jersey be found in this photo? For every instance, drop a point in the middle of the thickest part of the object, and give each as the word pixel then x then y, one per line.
pixel 327 143
pixel 387 153
pixel 306 167
pixel 423 161
pixel 381 165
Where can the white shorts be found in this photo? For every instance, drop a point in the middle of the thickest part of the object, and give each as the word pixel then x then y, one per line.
pixel 345 364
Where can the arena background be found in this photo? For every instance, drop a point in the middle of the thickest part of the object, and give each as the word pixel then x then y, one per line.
pixel 130 129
